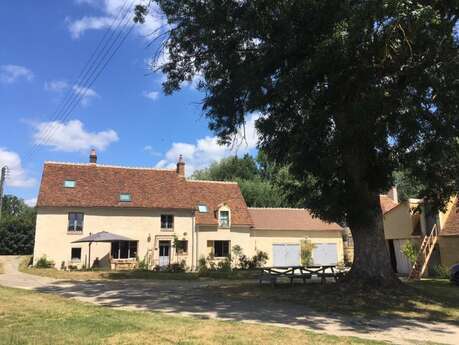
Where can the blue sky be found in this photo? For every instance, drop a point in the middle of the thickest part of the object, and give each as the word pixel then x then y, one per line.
pixel 124 114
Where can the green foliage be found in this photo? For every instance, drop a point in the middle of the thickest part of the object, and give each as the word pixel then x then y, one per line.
pixel 440 271
pixel 306 252
pixel 43 262
pixel 351 91
pixel 407 186
pixel 411 251
pixel 17 227
pixel 202 265
pixel 257 178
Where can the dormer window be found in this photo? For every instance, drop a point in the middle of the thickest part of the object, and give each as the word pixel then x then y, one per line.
pixel 69 184
pixel 202 208
pixel 224 219
pixel 125 197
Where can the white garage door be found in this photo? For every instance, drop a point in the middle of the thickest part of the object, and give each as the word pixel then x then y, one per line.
pixel 286 255
pixel 325 254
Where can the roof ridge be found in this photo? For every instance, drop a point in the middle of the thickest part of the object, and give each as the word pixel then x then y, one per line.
pixel 208 181
pixel 278 208
pixel 109 166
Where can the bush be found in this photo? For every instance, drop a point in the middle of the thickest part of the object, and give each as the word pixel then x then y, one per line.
pixel 306 253
pixel 202 265
pixel 177 267
pixel 143 266
pixel 43 262
pixel 224 266
pixel 440 271
pixel 259 260
pixel 410 250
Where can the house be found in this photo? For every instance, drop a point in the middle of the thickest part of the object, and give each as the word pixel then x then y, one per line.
pixel 413 221
pixel 163 218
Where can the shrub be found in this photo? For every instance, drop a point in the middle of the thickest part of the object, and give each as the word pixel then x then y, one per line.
pixel 143 266
pixel 440 271
pixel 225 265
pixel 43 262
pixel 410 250
pixel 202 265
pixel 177 267
pixel 306 253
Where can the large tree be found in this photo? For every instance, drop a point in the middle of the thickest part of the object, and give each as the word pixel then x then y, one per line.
pixel 348 91
pixel 17 227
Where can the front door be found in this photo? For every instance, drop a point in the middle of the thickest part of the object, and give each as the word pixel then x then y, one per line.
pixel 164 253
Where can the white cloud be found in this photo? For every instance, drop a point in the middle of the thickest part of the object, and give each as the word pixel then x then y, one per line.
pixel 17 176
pixel 72 136
pixel 78 27
pixel 153 95
pixel 151 151
pixel 32 202
pixel 110 10
pixel 207 150
pixel 85 93
pixel 56 85
pixel 11 73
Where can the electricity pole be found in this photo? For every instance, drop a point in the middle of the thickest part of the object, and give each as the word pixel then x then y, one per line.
pixel 2 182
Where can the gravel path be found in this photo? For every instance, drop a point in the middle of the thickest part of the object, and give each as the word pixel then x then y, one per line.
pixel 195 298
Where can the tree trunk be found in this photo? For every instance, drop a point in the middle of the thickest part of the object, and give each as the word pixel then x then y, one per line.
pixel 372 265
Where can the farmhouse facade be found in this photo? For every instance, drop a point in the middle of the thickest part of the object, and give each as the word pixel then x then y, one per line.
pixel 166 218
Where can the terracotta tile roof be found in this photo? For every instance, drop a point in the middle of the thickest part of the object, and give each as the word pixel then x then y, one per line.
pixel 288 219
pixel 100 186
pixel 451 227
pixel 387 203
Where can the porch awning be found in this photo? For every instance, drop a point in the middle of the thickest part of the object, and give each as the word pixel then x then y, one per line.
pixel 103 236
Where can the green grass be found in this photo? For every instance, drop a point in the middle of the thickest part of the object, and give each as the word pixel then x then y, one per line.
pixel 135 274
pixel 429 299
pixel 34 318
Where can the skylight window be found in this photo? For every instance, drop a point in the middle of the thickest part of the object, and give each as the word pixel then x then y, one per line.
pixel 202 208
pixel 125 197
pixel 69 183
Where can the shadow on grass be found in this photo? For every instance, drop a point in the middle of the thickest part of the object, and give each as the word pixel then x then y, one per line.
pixel 316 306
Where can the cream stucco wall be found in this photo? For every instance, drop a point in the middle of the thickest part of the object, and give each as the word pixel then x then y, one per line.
pixel 398 223
pixel 53 240
pixel 449 250
pixel 264 239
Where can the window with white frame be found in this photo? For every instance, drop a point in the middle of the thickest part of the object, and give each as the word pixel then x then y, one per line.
pixel 76 220
pixel 221 249
pixel 224 219
pixel 76 254
pixel 167 221
pixel 69 183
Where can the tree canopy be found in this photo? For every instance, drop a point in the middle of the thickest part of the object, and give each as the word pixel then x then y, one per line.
pixel 349 92
pixel 17 227
pixel 259 180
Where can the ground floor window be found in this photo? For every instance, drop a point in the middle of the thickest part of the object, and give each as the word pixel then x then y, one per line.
pixel 76 254
pixel 124 249
pixel 181 247
pixel 221 249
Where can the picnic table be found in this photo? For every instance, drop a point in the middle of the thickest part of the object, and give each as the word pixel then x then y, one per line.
pixel 271 274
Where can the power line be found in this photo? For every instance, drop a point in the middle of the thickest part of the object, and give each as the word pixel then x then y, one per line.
pixel 90 74
pixel 70 96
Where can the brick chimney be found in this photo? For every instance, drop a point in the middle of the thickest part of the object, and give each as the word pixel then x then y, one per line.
pixel 93 156
pixel 181 166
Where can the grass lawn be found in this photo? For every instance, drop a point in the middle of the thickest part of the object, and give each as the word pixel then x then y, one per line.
pixel 429 299
pixel 34 318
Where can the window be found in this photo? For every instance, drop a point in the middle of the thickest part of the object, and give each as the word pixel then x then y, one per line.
pixel 181 247
pixel 125 197
pixel 124 249
pixel 167 221
pixel 76 254
pixel 202 208
pixel 75 222
pixel 69 184
pixel 224 219
pixel 221 249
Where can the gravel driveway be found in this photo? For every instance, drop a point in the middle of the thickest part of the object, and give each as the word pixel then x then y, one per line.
pixel 195 298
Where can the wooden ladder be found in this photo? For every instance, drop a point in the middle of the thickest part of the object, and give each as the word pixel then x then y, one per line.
pixel 425 252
